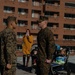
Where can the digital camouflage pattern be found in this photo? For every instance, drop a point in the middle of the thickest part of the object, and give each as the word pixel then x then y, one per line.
pixel 8 50
pixel 46 49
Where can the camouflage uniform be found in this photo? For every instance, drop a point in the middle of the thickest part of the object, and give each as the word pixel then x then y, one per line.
pixel 7 51
pixel 46 49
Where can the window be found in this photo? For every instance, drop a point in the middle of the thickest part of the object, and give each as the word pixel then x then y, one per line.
pixel 35 13
pixel 53 25
pixel 8 9
pixel 69 26
pixel 69 37
pixel 70 4
pixel 34 25
pixel 22 11
pixel 19 47
pixel 52 14
pixel 9 0
pixel 23 1
pixel 70 48
pixel 4 21
pixel 51 2
pixel 55 36
pixel 12 0
pixel 36 2
pixel 69 16
pixel 35 38
pixel 20 34
pixel 22 23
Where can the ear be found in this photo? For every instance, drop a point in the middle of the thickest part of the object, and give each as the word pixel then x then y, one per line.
pixel 10 23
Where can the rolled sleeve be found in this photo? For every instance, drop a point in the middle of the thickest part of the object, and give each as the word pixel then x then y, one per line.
pixel 9 47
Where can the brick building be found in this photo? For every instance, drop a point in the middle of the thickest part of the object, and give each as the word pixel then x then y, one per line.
pixel 61 15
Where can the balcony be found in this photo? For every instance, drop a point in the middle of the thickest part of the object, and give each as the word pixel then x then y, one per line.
pixel 52 8
pixel 68 10
pixel 34 26
pixel 54 27
pixel 9 0
pixel 55 36
pixel 70 5
pixel 70 27
pixel 36 5
pixel 65 42
pixel 23 12
pixel 52 14
pixel 69 37
pixel 69 20
pixel 8 9
pixel 36 13
pixel 23 3
pixel 22 23
pixel 19 47
pixel 54 3
pixel 34 31
pixel 4 22
pixel 35 38
pixel 69 16
pixel 20 35
pixel 54 19
pixel 69 32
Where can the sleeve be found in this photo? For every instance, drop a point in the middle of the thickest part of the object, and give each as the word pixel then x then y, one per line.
pixel 9 47
pixel 31 39
pixel 50 45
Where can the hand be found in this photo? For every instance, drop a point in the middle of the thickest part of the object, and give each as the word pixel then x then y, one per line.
pixel 8 66
pixel 48 61
pixel 27 34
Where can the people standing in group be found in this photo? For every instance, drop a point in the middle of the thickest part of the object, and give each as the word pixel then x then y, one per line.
pixel 8 48
pixel 46 47
pixel 26 47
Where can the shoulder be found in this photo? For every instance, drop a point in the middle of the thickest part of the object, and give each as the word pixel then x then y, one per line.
pixel 48 30
pixel 31 36
pixel 8 32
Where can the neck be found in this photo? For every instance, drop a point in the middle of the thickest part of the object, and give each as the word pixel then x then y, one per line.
pixel 9 27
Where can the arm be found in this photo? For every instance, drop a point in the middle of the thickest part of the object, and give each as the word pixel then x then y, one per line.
pixel 50 45
pixel 30 39
pixel 9 47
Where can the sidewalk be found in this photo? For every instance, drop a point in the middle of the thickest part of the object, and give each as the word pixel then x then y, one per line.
pixel 21 70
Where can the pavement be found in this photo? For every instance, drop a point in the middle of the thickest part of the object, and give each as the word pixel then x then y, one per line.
pixel 21 70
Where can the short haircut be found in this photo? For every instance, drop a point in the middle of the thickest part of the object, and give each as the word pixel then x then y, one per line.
pixel 42 18
pixel 11 18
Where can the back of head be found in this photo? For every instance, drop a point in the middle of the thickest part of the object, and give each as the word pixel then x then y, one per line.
pixel 42 18
pixel 10 19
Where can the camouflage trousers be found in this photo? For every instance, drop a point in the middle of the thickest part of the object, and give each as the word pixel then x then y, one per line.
pixel 42 68
pixel 5 71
